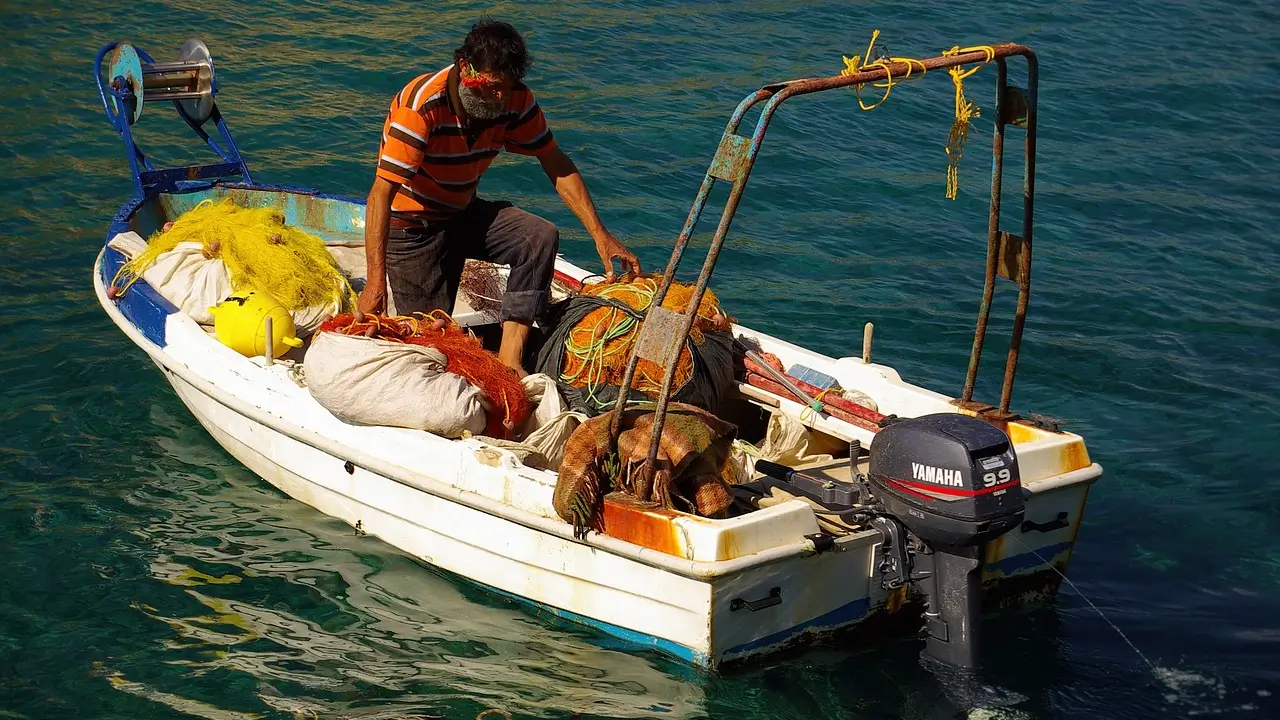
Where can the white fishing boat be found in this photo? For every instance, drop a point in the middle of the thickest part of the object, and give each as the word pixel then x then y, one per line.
pixel 984 510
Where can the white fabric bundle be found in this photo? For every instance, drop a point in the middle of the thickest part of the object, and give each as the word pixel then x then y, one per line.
pixel 183 276
pixel 195 283
pixel 379 382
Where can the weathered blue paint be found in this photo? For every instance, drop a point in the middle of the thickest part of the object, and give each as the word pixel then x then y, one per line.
pixel 1027 560
pixel 141 304
pixel 843 616
pixel 331 217
pixel 667 647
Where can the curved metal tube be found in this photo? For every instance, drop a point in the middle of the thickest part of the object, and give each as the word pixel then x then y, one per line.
pixel 776 94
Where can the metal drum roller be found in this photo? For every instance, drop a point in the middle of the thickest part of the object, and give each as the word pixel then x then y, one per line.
pixel 188 82
pixel 128 77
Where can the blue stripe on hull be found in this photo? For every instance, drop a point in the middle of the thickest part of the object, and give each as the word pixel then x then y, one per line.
pixel 846 614
pixel 141 304
pixel 667 647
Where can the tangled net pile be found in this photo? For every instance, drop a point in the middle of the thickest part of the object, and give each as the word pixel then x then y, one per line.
pixel 507 404
pixel 592 342
pixel 260 251
pixel 482 285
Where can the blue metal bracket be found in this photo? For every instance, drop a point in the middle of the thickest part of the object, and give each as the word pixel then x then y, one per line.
pixel 122 98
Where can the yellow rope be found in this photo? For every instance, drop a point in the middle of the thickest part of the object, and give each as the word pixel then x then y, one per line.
pixel 857 64
pixel 809 408
pixel 965 110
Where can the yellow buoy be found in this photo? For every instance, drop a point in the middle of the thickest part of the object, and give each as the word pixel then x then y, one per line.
pixel 240 323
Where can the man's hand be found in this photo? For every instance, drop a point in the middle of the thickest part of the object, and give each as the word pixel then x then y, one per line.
pixel 609 248
pixel 373 299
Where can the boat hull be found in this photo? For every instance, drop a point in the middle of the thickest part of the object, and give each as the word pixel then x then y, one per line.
pixel 708 614
pixel 693 620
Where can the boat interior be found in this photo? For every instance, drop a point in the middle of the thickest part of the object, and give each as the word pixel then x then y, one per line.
pixel 817 445
pixel 819 454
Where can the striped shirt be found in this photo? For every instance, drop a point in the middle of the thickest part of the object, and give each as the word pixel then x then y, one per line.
pixel 435 160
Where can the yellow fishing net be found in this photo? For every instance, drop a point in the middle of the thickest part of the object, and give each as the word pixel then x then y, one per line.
pixel 261 253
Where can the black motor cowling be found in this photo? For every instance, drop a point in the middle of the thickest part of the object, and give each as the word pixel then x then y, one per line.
pixel 937 488
pixel 952 481
pixel 950 478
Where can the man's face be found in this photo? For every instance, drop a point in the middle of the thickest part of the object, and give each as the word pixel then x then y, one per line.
pixel 483 93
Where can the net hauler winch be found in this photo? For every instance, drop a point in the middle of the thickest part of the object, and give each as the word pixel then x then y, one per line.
pixel 937 488
pixel 131 78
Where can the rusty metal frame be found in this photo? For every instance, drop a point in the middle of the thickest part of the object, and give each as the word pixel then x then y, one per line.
pixel 1007 255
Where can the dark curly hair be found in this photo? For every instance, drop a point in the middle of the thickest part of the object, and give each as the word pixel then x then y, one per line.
pixel 495 46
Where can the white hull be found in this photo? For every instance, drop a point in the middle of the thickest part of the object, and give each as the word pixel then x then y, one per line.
pixel 474 511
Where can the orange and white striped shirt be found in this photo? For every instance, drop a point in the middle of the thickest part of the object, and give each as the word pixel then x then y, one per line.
pixel 437 161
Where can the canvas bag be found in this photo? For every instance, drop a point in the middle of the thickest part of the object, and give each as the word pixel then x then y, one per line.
pixel 183 276
pixel 378 382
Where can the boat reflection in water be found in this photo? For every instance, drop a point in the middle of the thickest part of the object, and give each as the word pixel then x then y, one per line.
pixel 326 620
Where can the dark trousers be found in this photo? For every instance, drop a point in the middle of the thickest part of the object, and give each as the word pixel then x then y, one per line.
pixel 425 258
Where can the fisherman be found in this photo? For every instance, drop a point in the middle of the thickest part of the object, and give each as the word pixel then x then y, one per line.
pixel 423 218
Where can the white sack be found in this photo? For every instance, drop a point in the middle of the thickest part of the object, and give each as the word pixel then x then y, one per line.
pixel 551 437
pixel 551 422
pixel 183 276
pixel 789 442
pixel 542 392
pixel 307 319
pixel 378 382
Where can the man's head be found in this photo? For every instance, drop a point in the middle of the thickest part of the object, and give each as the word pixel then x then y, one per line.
pixel 491 60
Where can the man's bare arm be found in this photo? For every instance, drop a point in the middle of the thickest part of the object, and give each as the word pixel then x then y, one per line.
pixel 568 183
pixel 377 218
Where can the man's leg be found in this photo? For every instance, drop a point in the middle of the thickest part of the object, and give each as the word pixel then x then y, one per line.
pixel 528 244
pixel 423 268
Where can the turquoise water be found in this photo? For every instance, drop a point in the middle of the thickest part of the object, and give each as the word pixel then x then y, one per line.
pixel 145 574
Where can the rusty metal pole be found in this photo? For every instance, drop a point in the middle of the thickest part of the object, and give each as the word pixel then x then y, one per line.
pixel 1028 210
pixel 704 277
pixel 993 235
pixel 691 222
pixel 778 93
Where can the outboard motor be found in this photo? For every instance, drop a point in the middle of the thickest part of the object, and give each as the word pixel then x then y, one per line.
pixel 952 481
pixel 938 487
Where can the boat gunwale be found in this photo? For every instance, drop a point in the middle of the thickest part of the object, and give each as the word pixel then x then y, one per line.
pixel 697 569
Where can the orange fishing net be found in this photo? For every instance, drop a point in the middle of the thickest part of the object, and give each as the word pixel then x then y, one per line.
pixel 508 406
pixel 598 346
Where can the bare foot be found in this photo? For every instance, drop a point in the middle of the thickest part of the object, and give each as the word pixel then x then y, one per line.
pixel 514 365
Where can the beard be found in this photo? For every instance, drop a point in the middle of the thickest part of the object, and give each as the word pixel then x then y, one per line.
pixel 477 106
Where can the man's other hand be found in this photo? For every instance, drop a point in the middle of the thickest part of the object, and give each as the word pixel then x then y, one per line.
pixel 610 249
